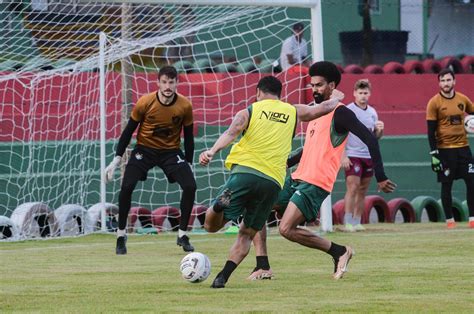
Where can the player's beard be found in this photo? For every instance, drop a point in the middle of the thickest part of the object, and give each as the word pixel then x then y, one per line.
pixel 318 98
pixel 167 91
pixel 447 89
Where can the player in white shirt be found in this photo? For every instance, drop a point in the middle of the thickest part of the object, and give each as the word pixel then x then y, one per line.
pixel 294 49
pixel 357 163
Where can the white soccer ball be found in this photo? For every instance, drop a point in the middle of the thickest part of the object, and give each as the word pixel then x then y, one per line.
pixel 195 267
pixel 469 123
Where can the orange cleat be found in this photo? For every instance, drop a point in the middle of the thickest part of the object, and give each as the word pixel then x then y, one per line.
pixel 451 224
pixel 471 224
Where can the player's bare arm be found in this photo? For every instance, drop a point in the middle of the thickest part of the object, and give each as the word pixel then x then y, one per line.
pixel 345 162
pixel 378 130
pixel 238 125
pixel 291 60
pixel 308 113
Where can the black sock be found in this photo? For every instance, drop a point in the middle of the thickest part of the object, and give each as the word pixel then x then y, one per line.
pixel 229 267
pixel 262 263
pixel 336 250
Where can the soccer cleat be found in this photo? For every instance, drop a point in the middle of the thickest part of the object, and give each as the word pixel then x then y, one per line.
pixel 222 201
pixel 349 228
pixel 184 242
pixel 471 224
pixel 359 227
pixel 343 262
pixel 451 224
pixel 121 248
pixel 261 274
pixel 219 282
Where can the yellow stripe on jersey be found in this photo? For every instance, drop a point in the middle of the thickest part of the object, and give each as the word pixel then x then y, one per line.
pixel 266 143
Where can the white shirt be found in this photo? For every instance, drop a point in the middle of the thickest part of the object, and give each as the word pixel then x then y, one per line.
pixel 355 147
pixel 291 46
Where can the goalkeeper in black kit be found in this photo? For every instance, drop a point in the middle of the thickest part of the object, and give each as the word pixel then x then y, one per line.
pixel 161 116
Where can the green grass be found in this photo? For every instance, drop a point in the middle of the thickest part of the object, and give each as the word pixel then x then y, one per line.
pixel 397 268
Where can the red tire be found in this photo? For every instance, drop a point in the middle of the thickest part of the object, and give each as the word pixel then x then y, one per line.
pixel 393 68
pixel 373 69
pixel 141 213
pixel 169 213
pixel 452 63
pixel 432 66
pixel 338 213
pixel 378 203
pixel 353 69
pixel 468 64
pixel 340 68
pixel 199 212
pixel 404 207
pixel 413 66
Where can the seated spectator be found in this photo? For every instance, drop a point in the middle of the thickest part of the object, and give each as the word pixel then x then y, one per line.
pixel 294 49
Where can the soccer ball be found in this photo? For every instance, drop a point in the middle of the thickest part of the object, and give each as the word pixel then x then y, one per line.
pixel 469 123
pixel 195 267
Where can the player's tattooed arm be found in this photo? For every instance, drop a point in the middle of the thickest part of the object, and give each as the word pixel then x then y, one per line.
pixel 238 125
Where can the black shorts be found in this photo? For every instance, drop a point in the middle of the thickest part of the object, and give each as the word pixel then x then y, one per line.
pixel 170 161
pixel 458 163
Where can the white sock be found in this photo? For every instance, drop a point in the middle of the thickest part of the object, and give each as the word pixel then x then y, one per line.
pixel 181 233
pixel 121 233
pixel 471 219
pixel 356 220
pixel 450 220
pixel 348 218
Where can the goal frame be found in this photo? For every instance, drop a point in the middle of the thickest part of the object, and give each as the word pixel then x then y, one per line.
pixel 317 49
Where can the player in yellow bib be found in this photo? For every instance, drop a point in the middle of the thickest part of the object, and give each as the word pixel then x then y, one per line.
pixel 257 164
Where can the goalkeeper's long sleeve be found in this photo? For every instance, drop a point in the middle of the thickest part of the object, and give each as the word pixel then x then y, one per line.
pixel 126 137
pixel 188 143
pixel 432 126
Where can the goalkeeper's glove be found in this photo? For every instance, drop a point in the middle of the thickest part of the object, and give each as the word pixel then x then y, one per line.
pixel 436 164
pixel 110 170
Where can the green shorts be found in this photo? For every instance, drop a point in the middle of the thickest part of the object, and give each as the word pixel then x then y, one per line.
pixel 307 197
pixel 252 197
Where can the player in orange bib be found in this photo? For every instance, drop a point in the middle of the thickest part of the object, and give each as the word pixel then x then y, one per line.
pixel 451 157
pixel 160 116
pixel 313 180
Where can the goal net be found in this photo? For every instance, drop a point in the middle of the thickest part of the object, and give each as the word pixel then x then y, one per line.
pixel 50 99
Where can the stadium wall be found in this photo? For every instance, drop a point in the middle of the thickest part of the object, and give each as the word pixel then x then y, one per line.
pixel 400 100
pixel 405 157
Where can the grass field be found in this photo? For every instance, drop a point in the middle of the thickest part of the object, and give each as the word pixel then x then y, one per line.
pixel 397 268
